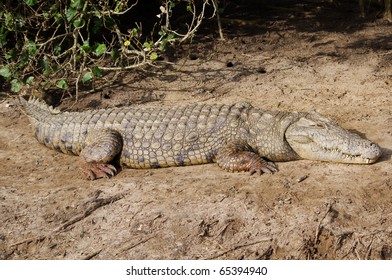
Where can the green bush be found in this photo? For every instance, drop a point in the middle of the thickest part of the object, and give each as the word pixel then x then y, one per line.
pixel 67 43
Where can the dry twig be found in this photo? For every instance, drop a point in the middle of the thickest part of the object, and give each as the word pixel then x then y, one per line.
pixel 239 247
pixel 320 226
pixel 95 204
pixel 92 255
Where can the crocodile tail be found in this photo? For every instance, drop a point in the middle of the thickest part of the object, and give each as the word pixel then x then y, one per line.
pixel 37 110
pixel 48 126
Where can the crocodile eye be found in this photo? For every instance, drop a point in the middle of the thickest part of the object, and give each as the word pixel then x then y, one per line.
pixel 318 125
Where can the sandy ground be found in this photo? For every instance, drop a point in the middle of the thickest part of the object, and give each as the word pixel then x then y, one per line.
pixel 300 58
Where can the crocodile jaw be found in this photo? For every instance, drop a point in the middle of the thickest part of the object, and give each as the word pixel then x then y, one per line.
pixel 315 137
pixel 308 149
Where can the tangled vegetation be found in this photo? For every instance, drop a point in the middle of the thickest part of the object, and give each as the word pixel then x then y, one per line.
pixel 69 43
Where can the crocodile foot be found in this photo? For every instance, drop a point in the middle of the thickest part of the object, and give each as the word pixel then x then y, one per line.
pixel 261 166
pixel 238 156
pixel 93 170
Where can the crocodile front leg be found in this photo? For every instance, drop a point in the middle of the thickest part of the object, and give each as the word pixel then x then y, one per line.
pixel 238 156
pixel 101 146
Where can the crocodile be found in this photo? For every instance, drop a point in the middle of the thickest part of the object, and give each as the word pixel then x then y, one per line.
pixel 238 137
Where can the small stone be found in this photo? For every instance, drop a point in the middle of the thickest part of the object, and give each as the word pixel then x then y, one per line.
pixel 303 178
pixel 261 70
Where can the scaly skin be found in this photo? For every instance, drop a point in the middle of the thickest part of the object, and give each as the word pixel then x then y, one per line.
pixel 238 137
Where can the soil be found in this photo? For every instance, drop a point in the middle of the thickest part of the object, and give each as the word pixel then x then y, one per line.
pixel 299 56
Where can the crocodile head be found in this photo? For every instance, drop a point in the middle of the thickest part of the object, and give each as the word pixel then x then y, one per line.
pixel 316 137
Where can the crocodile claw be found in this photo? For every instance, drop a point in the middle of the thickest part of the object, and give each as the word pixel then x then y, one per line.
pixel 92 171
pixel 262 166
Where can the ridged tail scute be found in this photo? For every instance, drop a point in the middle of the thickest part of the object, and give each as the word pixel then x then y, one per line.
pixel 37 110
pixel 49 127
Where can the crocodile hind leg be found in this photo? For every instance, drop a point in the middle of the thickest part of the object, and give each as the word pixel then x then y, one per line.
pixel 239 156
pixel 101 146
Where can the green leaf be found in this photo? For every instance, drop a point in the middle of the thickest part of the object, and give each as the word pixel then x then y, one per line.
pixel 96 13
pixel 31 47
pixel 3 36
pixel 16 85
pixel 86 46
pixel 87 77
pixel 97 72
pixel 31 2
pixel 78 22
pixel 9 21
pixel 70 14
pixel 77 4
pixel 5 72
pixel 188 8
pixel 24 56
pixel 135 32
pixel 97 24
pixel 100 50
pixel 109 22
pixel 163 45
pixel 153 56
pixel 58 18
pixel 57 49
pixel 147 45
pixel 114 54
pixel 62 84
pixel 30 80
pixel 119 6
pixel 45 64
